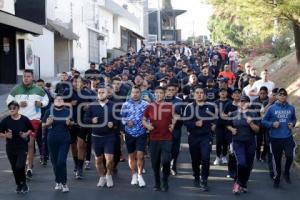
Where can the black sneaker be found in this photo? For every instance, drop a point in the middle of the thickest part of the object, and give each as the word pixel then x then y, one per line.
pixel 272 175
pixel 287 179
pixel 79 175
pixel 203 186
pixel 197 182
pixel 29 174
pixel 19 189
pixel 165 186
pixel 276 184
pixel 156 188
pixel 25 188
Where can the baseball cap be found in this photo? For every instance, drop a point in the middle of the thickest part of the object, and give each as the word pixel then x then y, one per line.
pixel 245 99
pixel 282 91
pixel 236 90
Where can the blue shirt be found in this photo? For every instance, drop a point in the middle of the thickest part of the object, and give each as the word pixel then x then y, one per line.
pixel 134 110
pixel 282 113
pixel 59 125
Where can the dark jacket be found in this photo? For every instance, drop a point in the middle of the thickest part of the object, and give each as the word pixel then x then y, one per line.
pixel 193 113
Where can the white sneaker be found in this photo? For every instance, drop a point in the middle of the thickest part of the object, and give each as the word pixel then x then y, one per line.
pixel 141 181
pixel 109 181
pixel 65 188
pixel 134 180
pixel 217 161
pixel 224 160
pixel 144 171
pixel 58 186
pixel 102 182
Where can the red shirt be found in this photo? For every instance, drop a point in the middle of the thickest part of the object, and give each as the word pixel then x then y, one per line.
pixel 160 116
pixel 229 75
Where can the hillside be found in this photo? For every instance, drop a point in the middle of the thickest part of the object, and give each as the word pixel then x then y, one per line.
pixel 285 73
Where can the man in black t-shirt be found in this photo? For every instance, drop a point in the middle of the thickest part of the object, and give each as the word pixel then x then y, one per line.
pixel 16 129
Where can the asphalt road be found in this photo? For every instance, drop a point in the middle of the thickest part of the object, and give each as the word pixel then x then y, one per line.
pixel 181 186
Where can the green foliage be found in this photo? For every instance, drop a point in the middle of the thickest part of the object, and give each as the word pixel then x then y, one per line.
pixel 109 54
pixel 244 23
pixel 281 48
pixel 167 4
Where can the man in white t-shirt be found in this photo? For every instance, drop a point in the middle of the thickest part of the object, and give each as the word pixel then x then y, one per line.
pixel 263 82
pixel 232 59
pixel 248 88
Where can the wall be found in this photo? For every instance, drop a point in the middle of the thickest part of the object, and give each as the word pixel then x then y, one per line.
pixel 7 6
pixel 62 54
pixel 46 55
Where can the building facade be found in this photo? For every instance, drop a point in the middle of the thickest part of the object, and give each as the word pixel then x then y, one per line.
pixel 65 34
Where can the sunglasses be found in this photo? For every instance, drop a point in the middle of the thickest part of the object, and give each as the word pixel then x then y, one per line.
pixel 282 94
pixel 12 108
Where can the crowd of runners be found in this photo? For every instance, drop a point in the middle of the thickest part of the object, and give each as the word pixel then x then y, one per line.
pixel 146 100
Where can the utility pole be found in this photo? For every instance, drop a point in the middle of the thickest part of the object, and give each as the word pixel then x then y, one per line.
pixel 193 32
pixel 158 22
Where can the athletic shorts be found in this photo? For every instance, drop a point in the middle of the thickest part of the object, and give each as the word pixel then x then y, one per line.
pixel 82 133
pixel 134 144
pixel 85 134
pixel 104 145
pixel 36 126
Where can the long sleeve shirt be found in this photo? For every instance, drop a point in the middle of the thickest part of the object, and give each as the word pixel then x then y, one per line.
pixel 30 95
pixel 104 114
pixel 282 113
pixel 193 113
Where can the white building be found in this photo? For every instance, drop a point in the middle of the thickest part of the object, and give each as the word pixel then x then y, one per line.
pixel 94 26
pixel 75 33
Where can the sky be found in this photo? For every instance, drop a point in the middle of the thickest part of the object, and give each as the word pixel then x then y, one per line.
pixel 197 14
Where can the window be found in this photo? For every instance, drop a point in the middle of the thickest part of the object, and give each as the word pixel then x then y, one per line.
pixel 21 54
pixel 94 47
pixel 124 40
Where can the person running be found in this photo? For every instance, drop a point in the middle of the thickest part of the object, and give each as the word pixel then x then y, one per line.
pixel 243 126
pixel 171 96
pixel 31 99
pixel 231 107
pixel 135 134
pixel 221 133
pixel 78 101
pixel 263 82
pixel 280 119
pixel 246 90
pixel 259 104
pixel 16 129
pixel 272 100
pixel 57 120
pixel 44 135
pixel 160 120
pixel 227 73
pixel 199 120
pixel 101 116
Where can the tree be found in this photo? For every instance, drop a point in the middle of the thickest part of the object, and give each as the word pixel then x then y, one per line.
pixel 167 4
pixel 257 17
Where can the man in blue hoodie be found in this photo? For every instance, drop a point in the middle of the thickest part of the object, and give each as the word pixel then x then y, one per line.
pixel 280 119
pixel 135 134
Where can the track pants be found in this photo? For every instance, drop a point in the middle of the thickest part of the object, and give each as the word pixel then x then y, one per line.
pixel 200 149
pixel 17 157
pixel 278 146
pixel 244 152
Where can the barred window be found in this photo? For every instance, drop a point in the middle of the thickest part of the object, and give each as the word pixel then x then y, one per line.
pixel 94 47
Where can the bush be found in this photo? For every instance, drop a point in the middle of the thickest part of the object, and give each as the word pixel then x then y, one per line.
pixel 281 48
